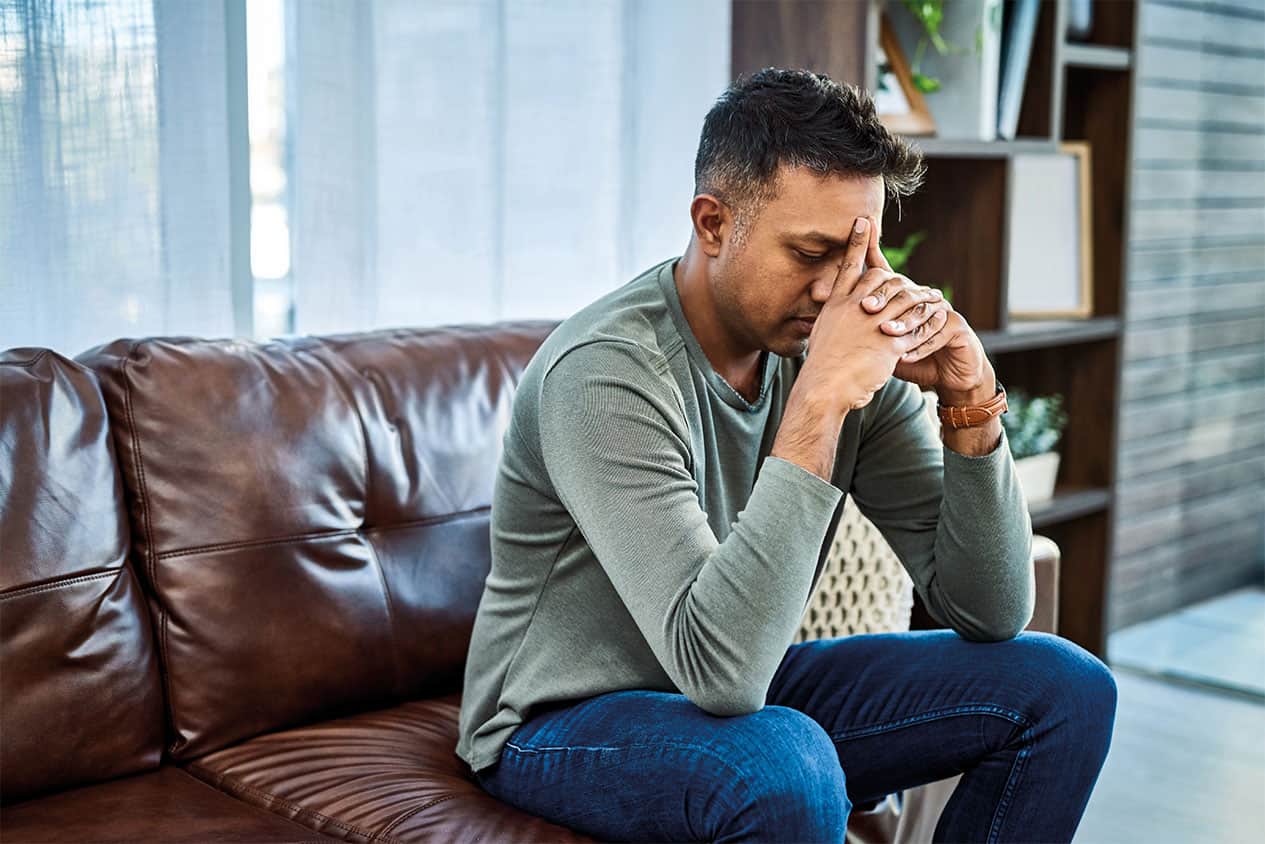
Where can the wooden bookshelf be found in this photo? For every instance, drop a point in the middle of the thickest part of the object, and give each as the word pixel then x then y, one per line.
pixel 1073 91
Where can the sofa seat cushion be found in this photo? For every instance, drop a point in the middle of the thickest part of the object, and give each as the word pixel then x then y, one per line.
pixel 166 805
pixel 390 775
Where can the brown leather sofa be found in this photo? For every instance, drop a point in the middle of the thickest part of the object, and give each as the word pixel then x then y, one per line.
pixel 237 582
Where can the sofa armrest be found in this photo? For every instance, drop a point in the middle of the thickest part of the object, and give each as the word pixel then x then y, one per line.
pixel 1045 559
pixel 1045 617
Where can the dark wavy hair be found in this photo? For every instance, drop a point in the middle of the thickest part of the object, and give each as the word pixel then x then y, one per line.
pixel 797 118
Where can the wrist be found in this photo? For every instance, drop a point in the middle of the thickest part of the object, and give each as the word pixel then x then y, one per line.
pixel 973 397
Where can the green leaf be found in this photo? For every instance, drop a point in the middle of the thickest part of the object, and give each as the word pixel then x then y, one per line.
pixel 926 84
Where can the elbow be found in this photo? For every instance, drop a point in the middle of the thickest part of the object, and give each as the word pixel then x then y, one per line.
pixel 999 629
pixel 727 702
pixel 994 634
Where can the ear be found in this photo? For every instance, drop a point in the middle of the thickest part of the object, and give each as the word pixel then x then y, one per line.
pixel 713 222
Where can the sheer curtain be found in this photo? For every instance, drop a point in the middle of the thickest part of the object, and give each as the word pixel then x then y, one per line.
pixel 474 160
pixel 447 161
pixel 114 172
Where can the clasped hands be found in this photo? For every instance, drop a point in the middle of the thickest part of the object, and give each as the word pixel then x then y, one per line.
pixel 942 351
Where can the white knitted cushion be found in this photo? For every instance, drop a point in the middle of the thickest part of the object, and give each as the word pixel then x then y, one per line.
pixel 863 588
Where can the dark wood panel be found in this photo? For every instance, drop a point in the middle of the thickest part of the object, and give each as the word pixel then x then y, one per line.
pixel 1096 102
pixel 828 36
pixel 1085 375
pixel 1113 24
pixel 1083 547
pixel 961 206
pixel 1039 106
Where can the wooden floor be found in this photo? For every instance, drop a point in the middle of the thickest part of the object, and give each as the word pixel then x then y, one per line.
pixel 1187 764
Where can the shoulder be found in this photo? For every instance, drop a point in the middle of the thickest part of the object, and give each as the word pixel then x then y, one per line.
pixel 602 370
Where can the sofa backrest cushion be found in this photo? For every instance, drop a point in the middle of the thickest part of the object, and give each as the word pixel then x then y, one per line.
pixel 80 697
pixel 312 513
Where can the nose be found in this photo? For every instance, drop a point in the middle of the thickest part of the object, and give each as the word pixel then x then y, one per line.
pixel 821 287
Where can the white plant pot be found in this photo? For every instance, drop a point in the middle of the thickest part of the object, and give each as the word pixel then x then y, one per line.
pixel 1037 475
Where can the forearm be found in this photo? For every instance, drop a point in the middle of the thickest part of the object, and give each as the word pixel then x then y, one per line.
pixel 974 441
pixel 809 432
pixel 984 583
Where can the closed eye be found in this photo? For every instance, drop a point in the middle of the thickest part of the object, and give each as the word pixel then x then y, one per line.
pixel 810 257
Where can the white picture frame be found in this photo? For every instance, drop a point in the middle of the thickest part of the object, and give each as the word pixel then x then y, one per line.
pixel 1049 264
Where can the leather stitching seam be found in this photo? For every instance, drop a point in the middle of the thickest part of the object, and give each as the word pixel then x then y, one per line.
pixel 299 537
pixel 151 561
pixel 224 781
pixel 59 584
pixel 411 812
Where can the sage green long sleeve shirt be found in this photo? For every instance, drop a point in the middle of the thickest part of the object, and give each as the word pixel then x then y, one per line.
pixel 642 535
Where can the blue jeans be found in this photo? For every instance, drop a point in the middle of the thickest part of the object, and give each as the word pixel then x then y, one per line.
pixel 846 721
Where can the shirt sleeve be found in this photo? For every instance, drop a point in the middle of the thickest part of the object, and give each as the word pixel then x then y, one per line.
pixel 718 616
pixel 958 523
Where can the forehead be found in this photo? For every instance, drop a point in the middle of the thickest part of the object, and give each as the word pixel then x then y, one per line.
pixel 809 201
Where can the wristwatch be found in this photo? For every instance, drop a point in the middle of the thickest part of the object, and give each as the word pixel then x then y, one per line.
pixel 972 415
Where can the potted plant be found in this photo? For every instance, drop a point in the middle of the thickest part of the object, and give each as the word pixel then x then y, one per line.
pixel 930 14
pixel 1033 426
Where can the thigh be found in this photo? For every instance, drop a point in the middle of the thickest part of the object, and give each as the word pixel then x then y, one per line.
pixel 913 707
pixel 639 764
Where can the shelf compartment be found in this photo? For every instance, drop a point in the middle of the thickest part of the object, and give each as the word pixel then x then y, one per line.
pixel 1069 503
pixel 1039 334
pixel 1097 100
pixel 1112 26
pixel 961 207
pixel 1039 108
pixel 1084 373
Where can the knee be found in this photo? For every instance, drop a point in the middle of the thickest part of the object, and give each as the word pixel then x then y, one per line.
pixel 1078 686
pixel 791 781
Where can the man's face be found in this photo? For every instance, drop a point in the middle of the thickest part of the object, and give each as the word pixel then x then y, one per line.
pixel 786 266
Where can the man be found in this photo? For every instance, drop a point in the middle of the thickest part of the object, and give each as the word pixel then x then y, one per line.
pixel 672 471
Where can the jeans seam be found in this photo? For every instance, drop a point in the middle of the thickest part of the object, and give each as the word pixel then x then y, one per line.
pixel 936 714
pixel 674 744
pixel 1016 771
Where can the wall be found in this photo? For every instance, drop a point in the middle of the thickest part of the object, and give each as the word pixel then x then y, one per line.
pixel 1191 496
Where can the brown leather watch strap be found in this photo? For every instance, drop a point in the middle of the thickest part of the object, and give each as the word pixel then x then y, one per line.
pixel 969 416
